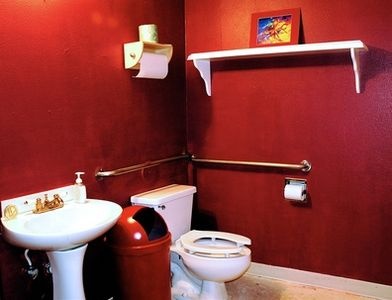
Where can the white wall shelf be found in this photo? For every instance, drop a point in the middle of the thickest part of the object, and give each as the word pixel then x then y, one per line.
pixel 202 60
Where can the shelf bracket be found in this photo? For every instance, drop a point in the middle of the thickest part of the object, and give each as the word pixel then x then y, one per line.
pixel 354 53
pixel 204 67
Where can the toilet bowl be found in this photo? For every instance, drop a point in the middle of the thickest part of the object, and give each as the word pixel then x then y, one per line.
pixel 214 257
pixel 207 259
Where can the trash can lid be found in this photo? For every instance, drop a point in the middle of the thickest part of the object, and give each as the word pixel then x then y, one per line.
pixel 137 226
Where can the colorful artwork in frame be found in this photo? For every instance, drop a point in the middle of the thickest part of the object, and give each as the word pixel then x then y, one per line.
pixel 275 28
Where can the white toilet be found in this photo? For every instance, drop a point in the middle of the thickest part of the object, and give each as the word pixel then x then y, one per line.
pixel 212 257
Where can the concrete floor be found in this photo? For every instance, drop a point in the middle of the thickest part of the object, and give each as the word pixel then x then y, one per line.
pixel 252 287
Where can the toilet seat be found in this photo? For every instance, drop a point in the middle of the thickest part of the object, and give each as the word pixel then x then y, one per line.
pixel 235 243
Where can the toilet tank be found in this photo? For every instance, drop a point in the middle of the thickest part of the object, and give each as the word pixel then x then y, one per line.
pixel 173 203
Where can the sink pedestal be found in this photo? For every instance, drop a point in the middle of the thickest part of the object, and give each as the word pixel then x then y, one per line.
pixel 67 271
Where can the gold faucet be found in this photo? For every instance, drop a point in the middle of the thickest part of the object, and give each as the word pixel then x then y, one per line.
pixel 48 205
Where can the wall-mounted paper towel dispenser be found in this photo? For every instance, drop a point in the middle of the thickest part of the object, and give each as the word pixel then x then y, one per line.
pixel 150 58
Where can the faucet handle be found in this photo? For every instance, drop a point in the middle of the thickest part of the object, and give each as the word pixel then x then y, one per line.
pixel 38 205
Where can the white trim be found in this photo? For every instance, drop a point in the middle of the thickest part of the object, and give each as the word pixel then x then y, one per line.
pixel 362 288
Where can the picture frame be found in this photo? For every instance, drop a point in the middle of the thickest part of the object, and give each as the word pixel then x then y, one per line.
pixel 275 28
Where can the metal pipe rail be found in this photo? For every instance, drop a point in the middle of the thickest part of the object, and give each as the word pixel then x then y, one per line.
pixel 305 166
pixel 133 168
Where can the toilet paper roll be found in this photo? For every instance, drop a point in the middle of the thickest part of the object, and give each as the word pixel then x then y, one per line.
pixel 295 192
pixel 153 65
pixel 148 33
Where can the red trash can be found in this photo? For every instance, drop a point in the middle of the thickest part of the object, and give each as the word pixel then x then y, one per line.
pixel 140 245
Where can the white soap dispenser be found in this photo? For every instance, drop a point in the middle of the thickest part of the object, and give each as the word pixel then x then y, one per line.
pixel 80 189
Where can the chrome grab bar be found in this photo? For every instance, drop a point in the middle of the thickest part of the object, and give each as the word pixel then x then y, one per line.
pixel 304 166
pixel 133 168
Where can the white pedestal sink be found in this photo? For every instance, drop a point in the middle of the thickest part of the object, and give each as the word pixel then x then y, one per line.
pixel 67 272
pixel 63 233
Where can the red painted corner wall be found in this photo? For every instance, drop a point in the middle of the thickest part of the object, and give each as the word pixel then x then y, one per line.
pixel 67 104
pixel 290 109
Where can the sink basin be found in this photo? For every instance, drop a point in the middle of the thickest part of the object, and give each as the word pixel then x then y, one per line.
pixel 73 225
pixel 63 233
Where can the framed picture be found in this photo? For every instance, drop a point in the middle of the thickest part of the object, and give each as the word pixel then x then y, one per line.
pixel 275 28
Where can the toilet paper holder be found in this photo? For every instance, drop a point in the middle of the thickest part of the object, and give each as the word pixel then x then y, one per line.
pixel 297 182
pixel 289 180
pixel 133 52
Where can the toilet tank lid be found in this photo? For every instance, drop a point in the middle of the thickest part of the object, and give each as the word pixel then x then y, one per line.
pixel 163 194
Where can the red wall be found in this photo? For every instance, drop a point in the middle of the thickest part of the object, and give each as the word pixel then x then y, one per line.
pixel 290 109
pixel 67 104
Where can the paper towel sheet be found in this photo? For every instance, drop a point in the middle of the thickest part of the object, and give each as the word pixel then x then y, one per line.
pixel 153 65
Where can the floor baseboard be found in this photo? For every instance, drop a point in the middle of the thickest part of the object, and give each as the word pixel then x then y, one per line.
pixel 358 287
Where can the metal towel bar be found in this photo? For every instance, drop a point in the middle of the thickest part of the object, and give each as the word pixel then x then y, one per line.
pixel 138 167
pixel 304 166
